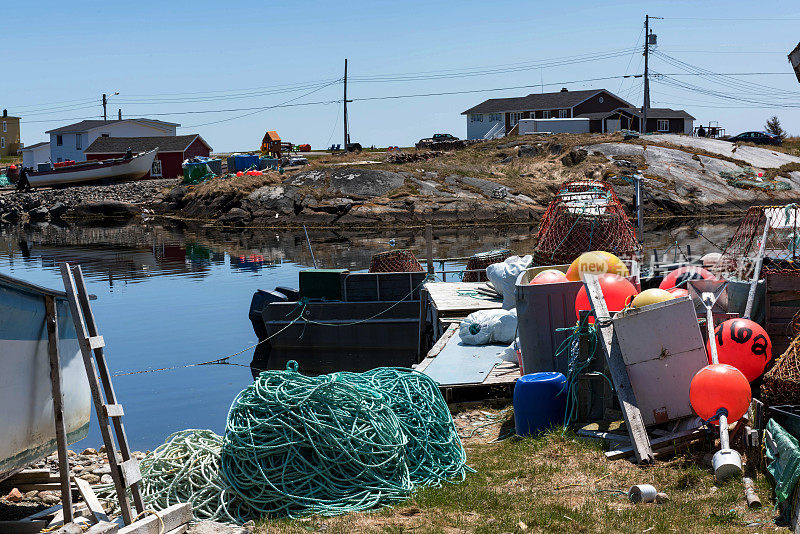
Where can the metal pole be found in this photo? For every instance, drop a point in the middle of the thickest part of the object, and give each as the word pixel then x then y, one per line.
pixel 708 300
pixel 639 220
pixel 313 259
pixel 104 107
pixel 429 247
pixel 346 135
pixel 119 114
pixel 751 295
pixel 646 102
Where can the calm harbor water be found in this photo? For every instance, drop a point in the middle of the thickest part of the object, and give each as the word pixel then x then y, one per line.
pixel 169 296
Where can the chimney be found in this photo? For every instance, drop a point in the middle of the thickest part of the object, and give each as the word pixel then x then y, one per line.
pixel 120 114
pixel 5 113
pixel 563 89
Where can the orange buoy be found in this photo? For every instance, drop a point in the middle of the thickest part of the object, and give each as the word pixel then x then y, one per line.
pixel 679 292
pixel 549 276
pixel 587 263
pixel 718 386
pixel 743 344
pixel 616 291
pixel 681 275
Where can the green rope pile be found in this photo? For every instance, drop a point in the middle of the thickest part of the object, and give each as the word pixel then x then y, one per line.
pixel 745 178
pixel 296 445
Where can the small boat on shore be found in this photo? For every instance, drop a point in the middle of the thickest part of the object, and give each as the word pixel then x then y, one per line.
pixel 133 168
pixel 26 419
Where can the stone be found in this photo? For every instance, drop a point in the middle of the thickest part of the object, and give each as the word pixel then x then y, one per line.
pixel 509 159
pixel 14 495
pixel 91 478
pixel 235 215
pixel 529 151
pixel 574 157
pixel 50 497
pixel 30 495
pixel 556 149
pixel 57 210
pixel 69 528
pixel 661 498
pixel 89 452
pixel 272 198
pixel 106 208
pixel 104 470
pixel 365 182
pixel 106 479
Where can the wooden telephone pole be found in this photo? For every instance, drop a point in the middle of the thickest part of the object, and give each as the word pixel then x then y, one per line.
pixel 346 131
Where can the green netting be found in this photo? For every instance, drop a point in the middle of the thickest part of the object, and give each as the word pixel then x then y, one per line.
pixel 196 173
pixel 784 465
pixel 4 180
pixel 746 178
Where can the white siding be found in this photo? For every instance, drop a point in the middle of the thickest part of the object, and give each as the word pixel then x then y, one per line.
pixel 527 126
pixel 32 157
pixel 688 126
pixel 124 128
pixel 479 124
pixel 67 150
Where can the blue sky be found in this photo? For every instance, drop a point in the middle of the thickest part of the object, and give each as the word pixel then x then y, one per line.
pixel 177 57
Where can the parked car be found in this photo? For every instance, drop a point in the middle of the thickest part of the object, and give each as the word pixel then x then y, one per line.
pixel 759 138
pixel 437 138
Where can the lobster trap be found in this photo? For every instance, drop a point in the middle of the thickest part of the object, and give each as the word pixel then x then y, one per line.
pixel 395 261
pixel 781 384
pixel 475 271
pixel 586 215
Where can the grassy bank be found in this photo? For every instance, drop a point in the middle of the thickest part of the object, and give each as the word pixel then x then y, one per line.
pixel 556 483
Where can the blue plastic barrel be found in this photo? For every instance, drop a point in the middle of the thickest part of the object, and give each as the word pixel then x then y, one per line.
pixel 540 400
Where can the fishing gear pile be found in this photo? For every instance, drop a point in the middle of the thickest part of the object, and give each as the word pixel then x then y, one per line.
pixel 296 445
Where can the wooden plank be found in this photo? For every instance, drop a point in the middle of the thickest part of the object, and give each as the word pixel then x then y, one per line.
pixel 619 375
pixel 42 486
pixel 113 410
pixel 58 403
pixel 440 344
pixel 96 342
pixel 180 530
pixel 658 443
pixel 782 282
pixel 606 436
pixel 91 500
pixel 778 313
pixel 130 472
pixel 22 527
pixel 29 475
pixel 784 296
pixel 168 519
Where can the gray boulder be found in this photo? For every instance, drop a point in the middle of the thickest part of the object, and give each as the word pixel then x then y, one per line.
pixel 106 208
pixel 365 182
pixel 574 157
pixel 57 210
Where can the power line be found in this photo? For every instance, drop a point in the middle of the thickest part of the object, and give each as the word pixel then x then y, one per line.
pixel 732 19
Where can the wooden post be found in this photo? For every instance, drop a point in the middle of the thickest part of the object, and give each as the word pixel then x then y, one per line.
pixel 58 404
pixel 619 375
pixel 429 247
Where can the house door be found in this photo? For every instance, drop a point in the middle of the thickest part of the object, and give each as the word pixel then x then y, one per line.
pixel 155 171
pixel 612 125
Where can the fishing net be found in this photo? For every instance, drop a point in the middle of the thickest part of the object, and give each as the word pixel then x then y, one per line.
pixel 781 384
pixel 194 173
pixel 746 178
pixel 475 270
pixel 395 261
pixel 584 216
pixel 781 249
pixel 4 181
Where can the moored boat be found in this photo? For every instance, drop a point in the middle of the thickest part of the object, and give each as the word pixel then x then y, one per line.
pixel 27 420
pixel 133 168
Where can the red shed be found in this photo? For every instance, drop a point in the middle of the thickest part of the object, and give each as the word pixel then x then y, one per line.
pixel 172 150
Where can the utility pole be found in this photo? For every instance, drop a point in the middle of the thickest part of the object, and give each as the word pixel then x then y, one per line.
pixel 646 103
pixel 346 133
pixel 119 112
pixel 104 107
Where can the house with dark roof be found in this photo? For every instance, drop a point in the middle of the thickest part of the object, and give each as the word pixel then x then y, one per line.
pixel 172 151
pixel 33 155
pixel 69 142
pixel 606 113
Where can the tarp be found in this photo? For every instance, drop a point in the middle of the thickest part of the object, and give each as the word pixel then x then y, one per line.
pixel 784 464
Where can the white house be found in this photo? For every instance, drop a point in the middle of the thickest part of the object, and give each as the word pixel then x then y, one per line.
pixel 69 142
pixel 33 155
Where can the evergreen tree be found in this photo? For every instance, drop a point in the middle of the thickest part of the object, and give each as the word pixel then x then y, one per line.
pixel 773 126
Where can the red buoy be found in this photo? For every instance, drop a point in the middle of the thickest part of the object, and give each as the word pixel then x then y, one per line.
pixel 616 291
pixel 679 292
pixel 743 344
pixel 682 274
pixel 718 386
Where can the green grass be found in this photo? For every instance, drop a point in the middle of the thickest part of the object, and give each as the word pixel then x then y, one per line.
pixel 557 484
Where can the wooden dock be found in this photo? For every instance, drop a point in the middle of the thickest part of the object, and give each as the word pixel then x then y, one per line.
pixel 445 303
pixel 503 375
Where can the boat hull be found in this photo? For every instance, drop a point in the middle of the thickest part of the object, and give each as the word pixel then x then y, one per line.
pixel 132 169
pixel 27 419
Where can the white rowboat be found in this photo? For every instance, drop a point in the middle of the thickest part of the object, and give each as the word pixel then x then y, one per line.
pixel 118 169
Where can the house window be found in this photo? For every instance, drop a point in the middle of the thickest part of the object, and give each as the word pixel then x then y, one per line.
pixel 103 135
pixel 495 117
pixel 546 114
pixel 78 141
pixel 59 140
pixel 563 113
pixel 514 118
pixel 5 127
pixel 476 118
pixel 663 125
pixel 2 142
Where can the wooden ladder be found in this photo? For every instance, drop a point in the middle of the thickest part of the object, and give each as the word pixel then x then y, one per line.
pixel 124 470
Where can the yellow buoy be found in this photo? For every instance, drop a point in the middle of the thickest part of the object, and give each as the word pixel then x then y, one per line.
pixel 587 263
pixel 651 296
pixel 615 264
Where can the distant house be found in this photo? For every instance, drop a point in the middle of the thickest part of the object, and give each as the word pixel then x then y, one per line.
pixel 606 113
pixel 9 135
pixel 33 155
pixel 69 142
pixel 172 150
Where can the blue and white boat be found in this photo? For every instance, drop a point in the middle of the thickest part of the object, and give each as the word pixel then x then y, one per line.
pixel 27 424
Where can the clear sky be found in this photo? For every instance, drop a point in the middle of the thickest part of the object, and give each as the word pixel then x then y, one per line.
pixel 168 58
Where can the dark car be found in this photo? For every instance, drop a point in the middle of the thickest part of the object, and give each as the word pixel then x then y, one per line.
pixel 759 138
pixel 437 138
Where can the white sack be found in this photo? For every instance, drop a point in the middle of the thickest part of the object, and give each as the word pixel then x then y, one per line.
pixel 489 326
pixel 504 277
